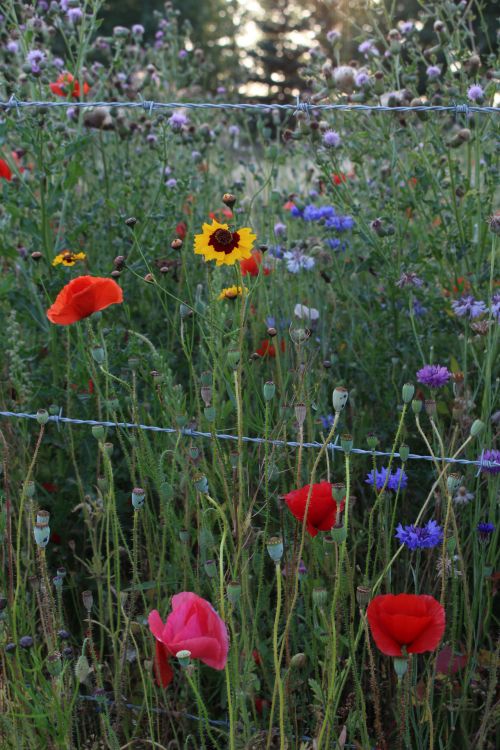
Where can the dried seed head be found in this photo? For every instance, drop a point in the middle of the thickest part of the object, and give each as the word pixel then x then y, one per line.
pixel 176 244
pixel 229 199
pixel 37 255
pixel 131 222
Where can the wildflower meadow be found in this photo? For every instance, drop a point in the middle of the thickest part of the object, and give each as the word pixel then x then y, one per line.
pixel 249 386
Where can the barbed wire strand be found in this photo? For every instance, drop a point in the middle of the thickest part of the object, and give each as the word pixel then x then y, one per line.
pixel 482 463
pixel 299 106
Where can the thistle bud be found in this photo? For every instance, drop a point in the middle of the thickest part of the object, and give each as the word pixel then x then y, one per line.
pixel 42 416
pixel 36 256
pixel 275 549
pixel 269 390
pixel 272 332
pixel 176 244
pixel 229 199
pixel 138 497
pixel 339 398
pixel 408 392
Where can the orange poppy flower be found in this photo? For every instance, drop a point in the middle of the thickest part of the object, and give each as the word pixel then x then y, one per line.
pixel 67 86
pixel 250 266
pixel 5 171
pixel 82 297
pixel 217 215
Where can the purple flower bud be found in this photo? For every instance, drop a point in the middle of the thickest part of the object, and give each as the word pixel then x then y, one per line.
pixel 331 139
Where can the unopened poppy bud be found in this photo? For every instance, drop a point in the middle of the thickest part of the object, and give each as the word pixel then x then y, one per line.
pixel 42 416
pixel 82 668
pixel 372 441
pixel 115 274
pixel 201 484
pixel 131 221
pixel 272 332
pixel 234 591
pixel 300 413
pixel 275 549
pixel 319 596
pixel 98 354
pixel 363 595
pixel 98 431
pixel 338 491
pixel 400 666
pixel 206 394
pixel 298 661
pixel 339 398
pixel 269 390
pixel 119 261
pixel 477 427
pixel 138 497
pixel 184 657
pixel 417 405
pixel 41 533
pixel 453 482
pixel 408 392
pixel 233 358
pixel 430 407
pixel 346 443
pixel 229 199
pixel 108 449
pixel 88 600
pixel 210 413
pixel 36 256
pixel 29 489
pixel 176 244
pixel 404 452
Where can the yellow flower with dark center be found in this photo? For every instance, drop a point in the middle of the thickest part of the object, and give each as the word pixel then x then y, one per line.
pixel 217 242
pixel 67 258
pixel 231 292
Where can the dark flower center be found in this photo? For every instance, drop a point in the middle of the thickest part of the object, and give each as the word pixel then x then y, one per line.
pixel 224 241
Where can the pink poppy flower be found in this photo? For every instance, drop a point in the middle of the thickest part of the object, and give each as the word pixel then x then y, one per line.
pixel 194 626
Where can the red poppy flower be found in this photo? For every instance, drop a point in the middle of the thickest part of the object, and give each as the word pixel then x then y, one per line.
pixel 322 510
pixel 67 86
pixel 267 349
pixel 50 487
pixel 416 621
pixel 217 215
pixel 181 230
pixel 289 205
pixel 339 178
pixel 5 171
pixel 193 625
pixel 250 266
pixel 82 297
pixel 448 662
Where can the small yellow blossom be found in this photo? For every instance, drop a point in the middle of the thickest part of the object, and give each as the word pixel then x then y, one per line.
pixel 231 292
pixel 67 258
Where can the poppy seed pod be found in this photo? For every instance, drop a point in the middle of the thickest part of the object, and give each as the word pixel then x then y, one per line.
pixel 98 431
pixel 138 497
pixel 275 549
pixel 400 667
pixel 453 482
pixel 346 443
pixel 372 441
pixel 404 452
pixel 477 427
pixel 209 413
pixel 339 398
pixel 41 533
pixel 29 489
pixel 363 595
pixel 300 413
pixel 408 392
pixel 42 416
pixel 201 484
pixel 417 405
pixel 88 600
pixel 234 591
pixel 430 407
pixel 210 568
pixel 269 390
pixel 184 657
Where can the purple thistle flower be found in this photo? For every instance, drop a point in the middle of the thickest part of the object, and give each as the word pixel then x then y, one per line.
pixel 434 376
pixel 137 29
pixel 467 305
pixel 433 71
pixel 333 36
pixel 490 461
pixel 485 530
pixel 12 47
pixel 475 93
pixel 368 48
pixel 177 121
pixel 379 478
pixel 74 15
pixel 35 57
pixel 331 139
pixel 171 183
pixel 420 537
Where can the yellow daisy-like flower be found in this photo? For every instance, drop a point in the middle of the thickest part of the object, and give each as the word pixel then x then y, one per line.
pixel 231 292
pixel 217 242
pixel 67 258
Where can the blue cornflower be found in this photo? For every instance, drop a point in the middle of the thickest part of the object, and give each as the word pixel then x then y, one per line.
pixel 327 421
pixel 467 305
pixel 495 306
pixel 295 211
pixel 485 530
pixel 276 251
pixel 418 309
pixel 420 537
pixel 334 243
pixel 379 477
pixel 340 223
